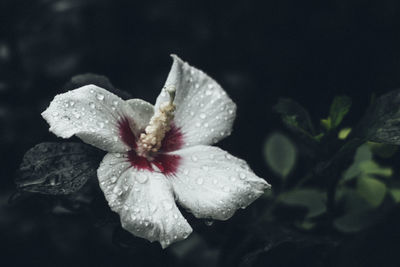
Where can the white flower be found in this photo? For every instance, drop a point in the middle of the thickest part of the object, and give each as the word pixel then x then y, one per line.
pixel 161 155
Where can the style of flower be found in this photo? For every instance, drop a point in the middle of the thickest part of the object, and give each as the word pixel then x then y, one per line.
pixel 159 155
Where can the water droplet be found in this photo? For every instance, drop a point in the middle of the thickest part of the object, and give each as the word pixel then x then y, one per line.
pixel 92 105
pixel 101 124
pixel 167 205
pixel 115 103
pixel 100 97
pixel 55 114
pixel 208 222
pixel 200 181
pixel 91 91
pixel 153 208
pixel 194 158
pixel 142 178
pixel 71 103
pixel 196 86
pixel 186 171
pixel 208 92
pixel 230 111
pixel 242 175
pixel 77 115
pixel 202 116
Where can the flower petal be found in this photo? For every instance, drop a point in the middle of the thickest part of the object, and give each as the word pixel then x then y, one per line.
pixel 213 184
pixel 204 113
pixel 143 199
pixel 95 115
pixel 143 112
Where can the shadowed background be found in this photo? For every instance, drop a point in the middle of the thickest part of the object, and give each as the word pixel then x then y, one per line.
pixel 309 51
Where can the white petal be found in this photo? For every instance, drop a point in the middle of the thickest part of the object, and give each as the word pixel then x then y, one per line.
pixel 93 114
pixel 143 199
pixel 213 184
pixel 204 112
pixel 143 112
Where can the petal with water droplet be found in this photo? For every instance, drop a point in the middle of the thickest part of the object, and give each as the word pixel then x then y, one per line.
pixel 208 189
pixel 199 101
pixel 144 201
pixel 99 127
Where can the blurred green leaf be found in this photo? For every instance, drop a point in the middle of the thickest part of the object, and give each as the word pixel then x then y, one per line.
pixel 339 108
pixel 395 193
pixel 343 133
pixel 371 189
pixel 363 153
pixel 363 165
pixel 358 212
pixel 372 168
pixel 312 199
pixel 383 150
pixel 381 122
pixel 280 154
pixel 294 116
pixel 354 222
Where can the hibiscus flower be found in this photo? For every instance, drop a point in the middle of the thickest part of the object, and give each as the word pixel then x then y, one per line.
pixel 161 155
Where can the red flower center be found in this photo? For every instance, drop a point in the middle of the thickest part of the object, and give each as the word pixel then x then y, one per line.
pixel 166 163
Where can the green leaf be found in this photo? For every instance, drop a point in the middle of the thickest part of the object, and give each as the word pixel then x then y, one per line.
pixel 294 116
pixel 383 150
pixel 280 154
pixel 395 193
pixel 343 133
pixel 371 189
pixel 339 108
pixel 363 153
pixel 381 122
pixel 312 199
pixel 358 212
pixel 355 221
pixel 372 168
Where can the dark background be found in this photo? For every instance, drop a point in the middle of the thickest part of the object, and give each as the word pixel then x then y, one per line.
pixel 257 50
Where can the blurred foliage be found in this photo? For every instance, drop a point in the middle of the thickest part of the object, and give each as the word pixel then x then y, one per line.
pixel 280 154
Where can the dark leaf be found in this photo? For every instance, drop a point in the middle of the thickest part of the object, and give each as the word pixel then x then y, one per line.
pixel 57 168
pixel 280 154
pixel 312 199
pixel 294 115
pixel 381 123
pixel 339 108
pixel 99 80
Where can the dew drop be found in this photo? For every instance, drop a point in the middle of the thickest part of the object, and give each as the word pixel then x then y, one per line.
pixel 100 97
pixel 71 103
pixel 55 114
pixel 200 181
pixel 202 116
pixel 92 105
pixel 167 205
pixel 194 158
pixel 242 175
pixel 208 222
pixel 142 178
pixel 101 124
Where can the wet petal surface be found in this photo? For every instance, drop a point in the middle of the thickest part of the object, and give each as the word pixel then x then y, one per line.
pixel 213 184
pixel 144 200
pixel 204 112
